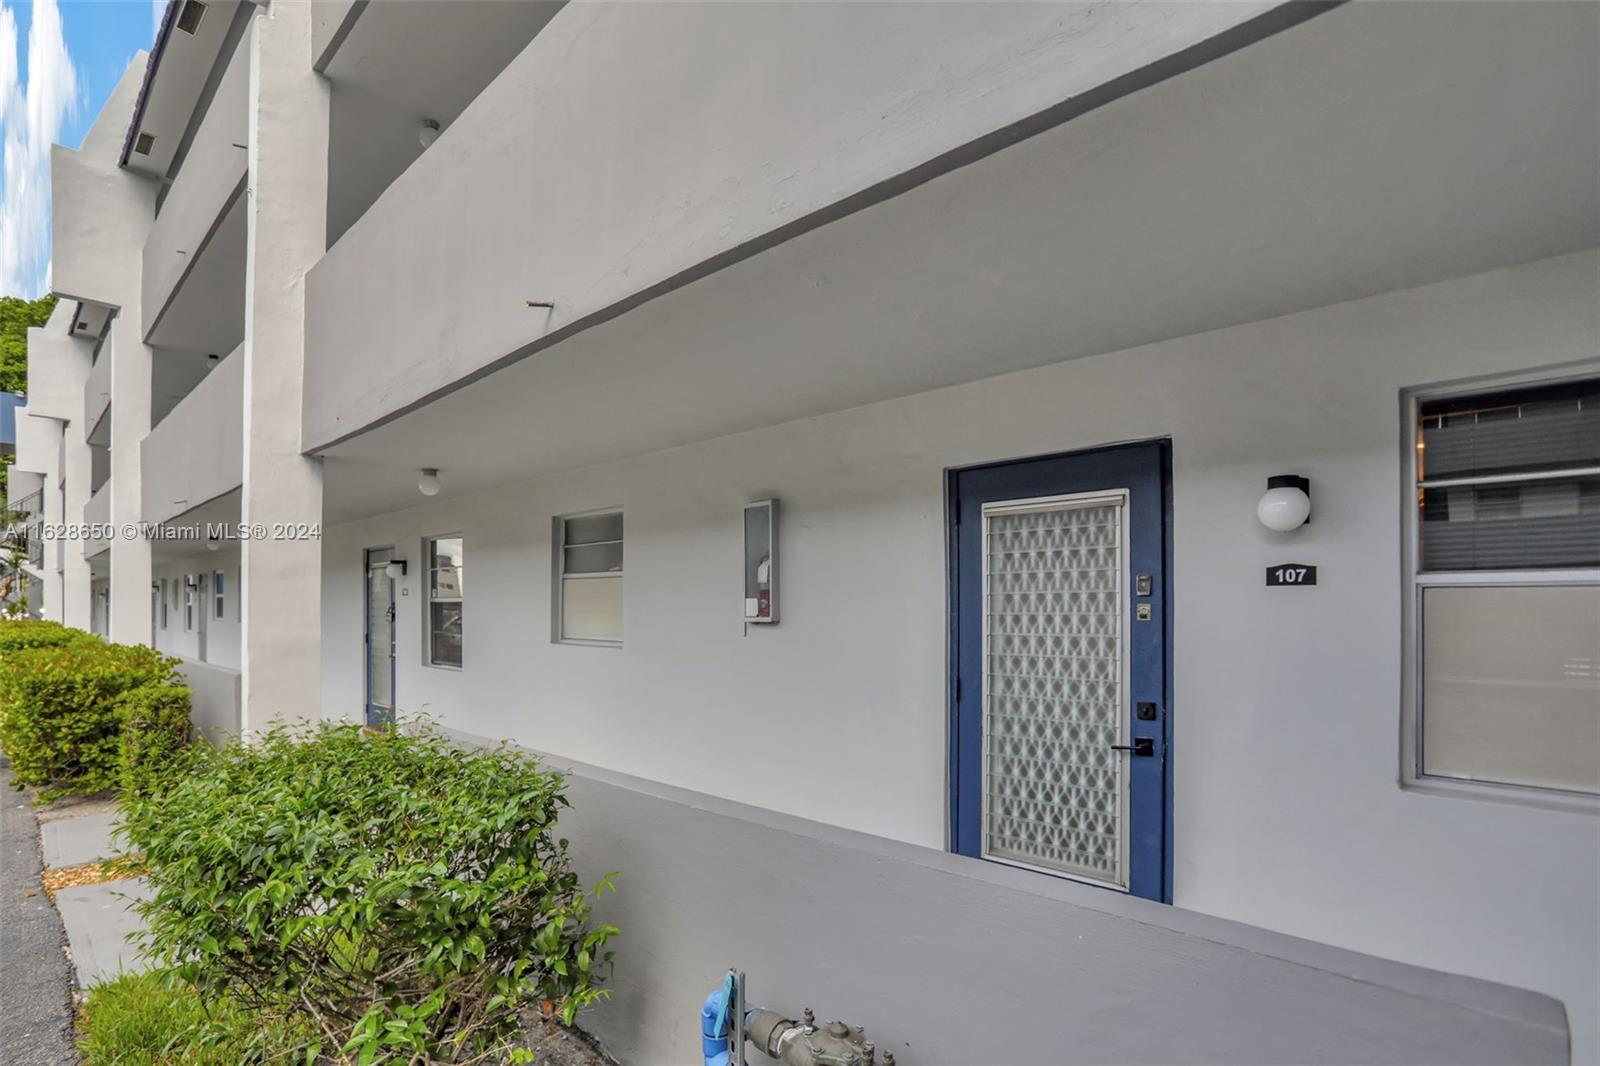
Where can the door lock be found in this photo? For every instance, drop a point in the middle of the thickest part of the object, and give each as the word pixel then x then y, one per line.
pixel 1141 746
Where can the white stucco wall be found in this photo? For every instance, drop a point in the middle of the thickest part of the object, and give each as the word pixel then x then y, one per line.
pixel 1286 716
pixel 221 634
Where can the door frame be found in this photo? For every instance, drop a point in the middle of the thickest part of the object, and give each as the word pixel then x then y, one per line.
pixel 366 632
pixel 953 638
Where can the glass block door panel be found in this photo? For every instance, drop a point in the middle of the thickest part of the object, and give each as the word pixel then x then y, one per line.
pixel 1055 790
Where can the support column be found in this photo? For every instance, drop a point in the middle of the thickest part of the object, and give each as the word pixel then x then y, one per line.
pixel 286 210
pixel 130 424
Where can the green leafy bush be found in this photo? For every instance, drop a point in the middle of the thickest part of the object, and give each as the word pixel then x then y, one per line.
pixel 155 727
pixel 19 634
pixel 399 895
pixel 61 723
pixel 155 1019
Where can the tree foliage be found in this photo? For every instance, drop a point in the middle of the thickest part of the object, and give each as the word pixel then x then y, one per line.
pixel 16 316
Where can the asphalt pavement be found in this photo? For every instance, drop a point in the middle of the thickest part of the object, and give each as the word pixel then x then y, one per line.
pixel 35 981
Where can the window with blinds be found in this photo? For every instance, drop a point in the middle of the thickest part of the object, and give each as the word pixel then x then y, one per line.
pixel 1511 480
pixel 1507 587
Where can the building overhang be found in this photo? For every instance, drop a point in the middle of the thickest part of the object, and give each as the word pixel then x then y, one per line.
pixel 1374 148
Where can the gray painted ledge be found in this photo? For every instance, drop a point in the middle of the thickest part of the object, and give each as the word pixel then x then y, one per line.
pixel 1041 969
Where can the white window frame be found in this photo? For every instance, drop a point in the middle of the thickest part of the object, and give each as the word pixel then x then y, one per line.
pixel 190 594
pixel 558 562
pixel 163 603
pixel 1414 582
pixel 428 601
pixel 219 594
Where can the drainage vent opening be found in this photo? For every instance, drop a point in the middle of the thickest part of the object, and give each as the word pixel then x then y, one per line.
pixel 189 18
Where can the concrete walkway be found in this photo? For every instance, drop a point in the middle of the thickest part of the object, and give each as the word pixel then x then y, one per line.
pixel 76 835
pixel 99 919
pixel 35 986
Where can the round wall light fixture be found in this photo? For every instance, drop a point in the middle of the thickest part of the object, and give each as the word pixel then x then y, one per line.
pixel 395 569
pixel 428 481
pixel 1286 505
pixel 428 133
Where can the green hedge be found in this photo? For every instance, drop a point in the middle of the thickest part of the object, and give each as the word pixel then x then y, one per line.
pixel 61 711
pixel 155 728
pixel 22 634
pixel 400 896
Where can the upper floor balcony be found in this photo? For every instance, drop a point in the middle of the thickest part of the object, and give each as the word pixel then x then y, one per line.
pixel 192 282
pixel 623 152
pixel 398 74
pixel 195 454
pixel 971 190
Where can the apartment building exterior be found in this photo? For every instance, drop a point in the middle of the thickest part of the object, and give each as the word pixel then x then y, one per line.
pixel 1013 310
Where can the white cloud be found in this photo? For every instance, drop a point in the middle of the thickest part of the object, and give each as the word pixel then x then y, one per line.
pixel 31 117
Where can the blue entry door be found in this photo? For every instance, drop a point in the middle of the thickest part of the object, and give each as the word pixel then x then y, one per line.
pixel 1061 755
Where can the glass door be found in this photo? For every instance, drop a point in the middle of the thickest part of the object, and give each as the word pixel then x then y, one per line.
pixel 379 648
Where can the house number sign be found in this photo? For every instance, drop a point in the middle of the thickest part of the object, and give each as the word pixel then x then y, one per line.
pixel 1291 574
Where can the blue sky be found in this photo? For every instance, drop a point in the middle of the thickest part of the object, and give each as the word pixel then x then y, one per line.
pixel 59 61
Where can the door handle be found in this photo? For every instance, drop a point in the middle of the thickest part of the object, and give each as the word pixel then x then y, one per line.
pixel 1141 746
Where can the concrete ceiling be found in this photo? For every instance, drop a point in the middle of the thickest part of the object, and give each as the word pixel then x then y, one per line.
pixel 1375 147
pixel 224 510
pixel 174 374
pixel 402 63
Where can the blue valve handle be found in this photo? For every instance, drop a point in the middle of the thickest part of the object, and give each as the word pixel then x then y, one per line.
pixel 715 1025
